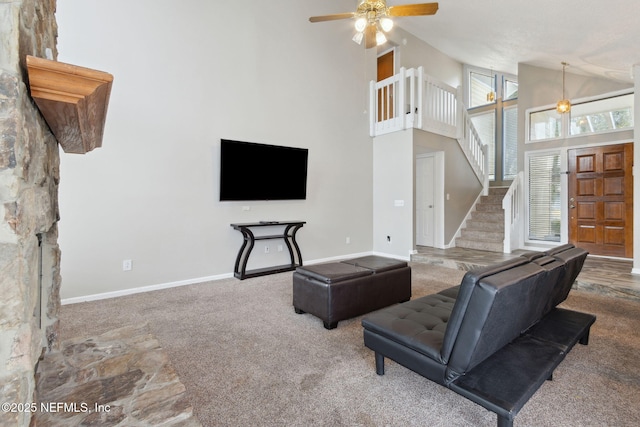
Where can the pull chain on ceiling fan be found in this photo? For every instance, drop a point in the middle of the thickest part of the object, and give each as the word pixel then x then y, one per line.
pixel 373 19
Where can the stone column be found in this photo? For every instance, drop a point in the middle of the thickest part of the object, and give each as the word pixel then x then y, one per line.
pixel 29 175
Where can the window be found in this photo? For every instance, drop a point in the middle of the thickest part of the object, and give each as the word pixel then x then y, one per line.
pixel 605 115
pixel 544 197
pixel 510 137
pixel 510 89
pixel 493 99
pixel 480 86
pixel 485 124
pixel 545 124
pixel 608 114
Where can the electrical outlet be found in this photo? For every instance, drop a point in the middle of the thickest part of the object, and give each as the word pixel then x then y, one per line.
pixel 127 265
pixel 280 248
pixel 266 249
pixel 348 240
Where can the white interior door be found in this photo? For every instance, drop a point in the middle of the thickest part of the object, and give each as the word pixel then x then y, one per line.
pixel 425 200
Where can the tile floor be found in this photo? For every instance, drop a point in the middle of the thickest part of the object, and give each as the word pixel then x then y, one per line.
pixel 601 275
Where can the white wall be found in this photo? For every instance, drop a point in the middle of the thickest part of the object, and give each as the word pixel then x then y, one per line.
pixel 413 53
pixel 460 182
pixel 393 200
pixel 539 87
pixel 394 158
pixel 187 74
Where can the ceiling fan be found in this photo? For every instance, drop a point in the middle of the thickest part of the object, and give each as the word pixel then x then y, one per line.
pixel 373 18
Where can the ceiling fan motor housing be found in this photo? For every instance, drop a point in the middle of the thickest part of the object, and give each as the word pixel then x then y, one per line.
pixel 372 10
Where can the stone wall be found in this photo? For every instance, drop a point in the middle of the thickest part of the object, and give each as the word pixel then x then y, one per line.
pixel 29 175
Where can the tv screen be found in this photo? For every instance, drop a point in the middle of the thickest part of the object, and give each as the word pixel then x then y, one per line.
pixel 251 171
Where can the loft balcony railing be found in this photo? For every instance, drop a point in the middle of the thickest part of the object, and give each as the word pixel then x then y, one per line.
pixel 411 99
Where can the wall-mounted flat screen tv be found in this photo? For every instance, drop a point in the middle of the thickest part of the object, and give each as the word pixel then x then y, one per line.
pixel 251 171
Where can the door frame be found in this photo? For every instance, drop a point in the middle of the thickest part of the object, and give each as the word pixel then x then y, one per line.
pixel 628 196
pixel 438 198
pixel 564 190
pixel 392 50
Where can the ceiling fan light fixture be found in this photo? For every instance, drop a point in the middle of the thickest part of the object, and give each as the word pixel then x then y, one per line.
pixel 386 24
pixel 373 18
pixel 564 105
pixel 361 24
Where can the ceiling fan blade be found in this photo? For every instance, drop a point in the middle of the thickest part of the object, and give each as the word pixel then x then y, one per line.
pixel 413 9
pixel 333 17
pixel 370 36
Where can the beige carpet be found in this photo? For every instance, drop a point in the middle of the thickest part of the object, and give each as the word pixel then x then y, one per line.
pixel 246 359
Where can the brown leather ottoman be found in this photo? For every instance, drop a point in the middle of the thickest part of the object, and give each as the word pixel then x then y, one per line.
pixel 342 290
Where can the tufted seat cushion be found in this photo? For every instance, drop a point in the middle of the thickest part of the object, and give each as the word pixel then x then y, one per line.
pixel 419 324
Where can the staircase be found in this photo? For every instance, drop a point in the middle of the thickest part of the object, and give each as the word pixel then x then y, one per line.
pixel 485 227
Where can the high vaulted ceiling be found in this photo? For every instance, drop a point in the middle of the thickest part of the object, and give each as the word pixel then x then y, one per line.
pixel 600 38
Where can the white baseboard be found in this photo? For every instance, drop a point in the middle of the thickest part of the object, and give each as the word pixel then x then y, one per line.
pixel 337 258
pixel 131 291
pixel 394 256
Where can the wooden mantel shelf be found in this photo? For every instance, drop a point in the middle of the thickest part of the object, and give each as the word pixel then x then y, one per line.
pixel 73 100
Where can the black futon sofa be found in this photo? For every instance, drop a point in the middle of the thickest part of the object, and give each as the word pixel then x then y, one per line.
pixel 493 339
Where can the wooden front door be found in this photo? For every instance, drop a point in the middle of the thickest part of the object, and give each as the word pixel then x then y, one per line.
pixel 385 95
pixel 601 199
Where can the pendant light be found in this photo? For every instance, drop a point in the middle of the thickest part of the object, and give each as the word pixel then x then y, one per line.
pixel 564 105
pixel 491 96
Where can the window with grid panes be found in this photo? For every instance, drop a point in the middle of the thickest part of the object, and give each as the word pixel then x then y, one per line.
pixel 544 197
pixel 510 137
pixel 495 119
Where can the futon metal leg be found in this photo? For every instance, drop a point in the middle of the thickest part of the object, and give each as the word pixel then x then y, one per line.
pixel 504 422
pixel 585 338
pixel 379 364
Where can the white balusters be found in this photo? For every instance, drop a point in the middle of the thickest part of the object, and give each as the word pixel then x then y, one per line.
pixel 513 218
pixel 413 99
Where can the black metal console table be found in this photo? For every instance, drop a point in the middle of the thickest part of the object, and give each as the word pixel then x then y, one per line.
pixel 288 235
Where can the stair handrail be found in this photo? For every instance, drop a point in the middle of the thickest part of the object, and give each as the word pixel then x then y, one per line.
pixel 472 146
pixel 512 203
